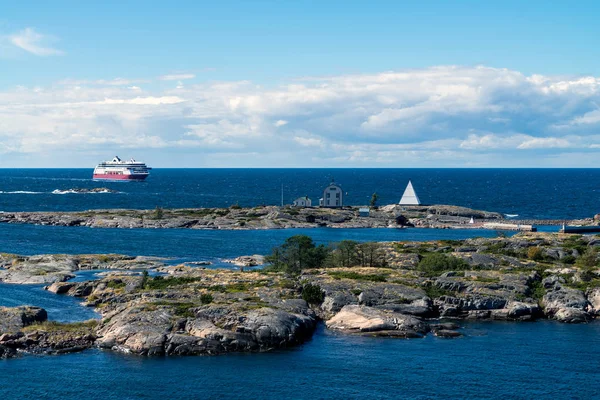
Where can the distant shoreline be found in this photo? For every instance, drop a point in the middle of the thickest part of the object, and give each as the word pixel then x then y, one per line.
pixel 276 217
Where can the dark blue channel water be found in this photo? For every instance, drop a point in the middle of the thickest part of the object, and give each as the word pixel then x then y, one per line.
pixel 542 360
pixel 190 244
pixel 530 193
pixel 59 308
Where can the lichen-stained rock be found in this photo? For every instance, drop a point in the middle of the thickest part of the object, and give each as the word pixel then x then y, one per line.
pixel 13 319
pixel 274 328
pixel 566 304
pixel 518 310
pixel 204 312
pixel 363 319
pixel 340 292
pixel 571 315
pixel 593 296
pixel 51 268
pixel 137 330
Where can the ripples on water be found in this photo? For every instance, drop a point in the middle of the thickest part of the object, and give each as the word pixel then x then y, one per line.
pixel 530 193
pixel 542 360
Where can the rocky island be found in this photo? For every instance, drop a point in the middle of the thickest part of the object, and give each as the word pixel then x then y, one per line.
pixel 274 217
pixel 391 289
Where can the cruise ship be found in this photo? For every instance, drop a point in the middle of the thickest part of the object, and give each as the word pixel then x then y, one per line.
pixel 118 170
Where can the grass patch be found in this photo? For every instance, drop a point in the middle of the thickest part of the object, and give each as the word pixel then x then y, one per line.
pixel 181 309
pixel 158 282
pixel 53 326
pixel 358 277
pixel 585 285
pixel 486 279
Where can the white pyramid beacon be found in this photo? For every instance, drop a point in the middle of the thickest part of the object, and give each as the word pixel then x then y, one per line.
pixel 409 198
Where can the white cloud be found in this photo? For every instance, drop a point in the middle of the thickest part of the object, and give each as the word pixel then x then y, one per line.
pixel 176 77
pixel 34 43
pixel 101 82
pixel 546 143
pixel 308 141
pixel 440 116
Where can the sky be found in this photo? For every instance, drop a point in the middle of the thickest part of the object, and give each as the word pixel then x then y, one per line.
pixel 300 83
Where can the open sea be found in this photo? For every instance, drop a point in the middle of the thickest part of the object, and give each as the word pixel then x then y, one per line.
pixel 529 193
pixel 540 360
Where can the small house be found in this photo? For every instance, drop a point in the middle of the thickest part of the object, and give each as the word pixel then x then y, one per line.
pixel 364 211
pixel 332 196
pixel 302 202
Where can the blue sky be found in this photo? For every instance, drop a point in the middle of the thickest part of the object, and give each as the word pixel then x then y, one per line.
pixel 302 83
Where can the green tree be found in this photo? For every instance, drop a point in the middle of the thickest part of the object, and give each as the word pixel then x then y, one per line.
pixel 343 254
pixel 296 254
pixel 144 279
pixel 374 198
pixel 370 254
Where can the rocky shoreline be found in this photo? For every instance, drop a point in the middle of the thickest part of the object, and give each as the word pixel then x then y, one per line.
pixel 420 288
pixel 274 217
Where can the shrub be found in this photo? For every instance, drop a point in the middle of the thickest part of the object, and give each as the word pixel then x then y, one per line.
pixel 537 290
pixel 313 294
pixel 568 259
pixel 535 253
pixel 158 213
pixel 589 259
pixel 117 284
pixel 235 206
pixel 434 264
pixel 206 298
pixel 433 292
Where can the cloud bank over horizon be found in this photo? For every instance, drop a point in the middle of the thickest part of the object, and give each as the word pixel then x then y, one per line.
pixel 444 116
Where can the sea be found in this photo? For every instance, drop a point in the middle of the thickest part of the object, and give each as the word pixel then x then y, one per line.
pixel 541 360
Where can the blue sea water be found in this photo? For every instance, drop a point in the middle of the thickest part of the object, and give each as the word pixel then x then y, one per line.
pixel 196 245
pixel 530 193
pixel 541 360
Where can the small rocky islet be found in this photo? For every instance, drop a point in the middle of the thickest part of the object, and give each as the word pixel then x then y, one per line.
pixel 388 289
pixel 276 217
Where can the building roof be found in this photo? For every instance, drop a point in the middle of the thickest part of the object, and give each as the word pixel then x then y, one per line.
pixel 409 198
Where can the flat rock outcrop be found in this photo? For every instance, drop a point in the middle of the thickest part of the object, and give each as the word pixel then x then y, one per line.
pixel 364 319
pixel 51 268
pixel 566 304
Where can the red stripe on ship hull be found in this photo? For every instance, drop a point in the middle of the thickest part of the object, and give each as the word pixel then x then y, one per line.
pixel 116 177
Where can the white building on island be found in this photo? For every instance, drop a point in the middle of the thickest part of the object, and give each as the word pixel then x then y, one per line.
pixel 409 198
pixel 302 202
pixel 333 196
